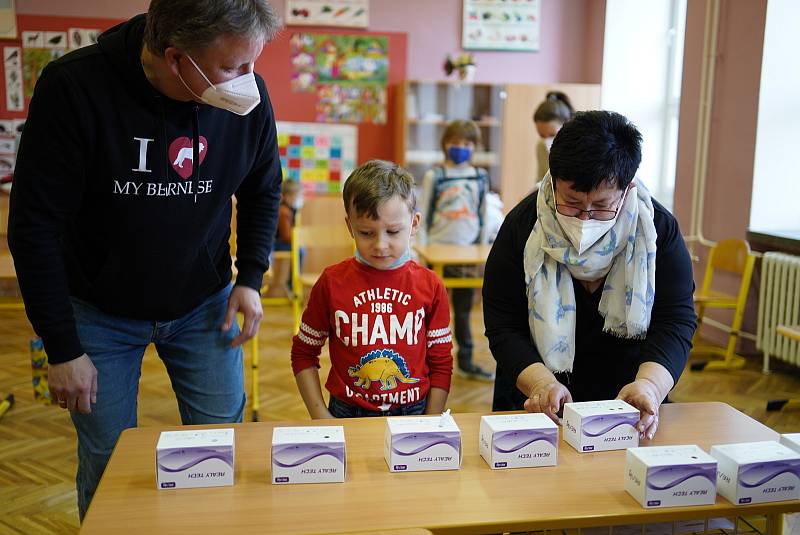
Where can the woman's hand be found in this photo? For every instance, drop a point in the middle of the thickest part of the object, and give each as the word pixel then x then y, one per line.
pixel 545 393
pixel 652 384
pixel 643 395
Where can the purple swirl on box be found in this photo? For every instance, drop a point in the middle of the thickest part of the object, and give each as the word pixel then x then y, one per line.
pixel 180 459
pixel 291 455
pixel 595 426
pixel 756 474
pixel 414 443
pixel 667 477
pixel 512 441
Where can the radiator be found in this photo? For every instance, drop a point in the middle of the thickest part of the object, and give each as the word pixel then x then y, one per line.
pixel 778 304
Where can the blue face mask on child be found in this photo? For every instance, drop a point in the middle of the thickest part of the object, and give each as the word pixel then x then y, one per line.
pixel 399 262
pixel 459 155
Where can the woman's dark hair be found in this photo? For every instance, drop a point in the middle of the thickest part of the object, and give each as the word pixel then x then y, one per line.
pixel 595 147
pixel 556 107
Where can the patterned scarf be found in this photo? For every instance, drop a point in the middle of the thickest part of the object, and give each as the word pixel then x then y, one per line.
pixel 626 256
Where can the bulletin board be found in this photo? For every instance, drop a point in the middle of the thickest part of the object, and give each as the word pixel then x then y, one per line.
pixel 41 40
pixel 319 156
pixel 374 140
pixel 492 25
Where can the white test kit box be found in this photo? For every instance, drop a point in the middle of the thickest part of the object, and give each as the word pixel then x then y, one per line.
pixel 197 458
pixel 414 444
pixel 601 425
pixel 757 472
pixel 308 455
pixel 670 476
pixel 518 440
pixel 791 440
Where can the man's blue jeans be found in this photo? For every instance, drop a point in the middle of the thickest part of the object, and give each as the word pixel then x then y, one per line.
pixel 206 374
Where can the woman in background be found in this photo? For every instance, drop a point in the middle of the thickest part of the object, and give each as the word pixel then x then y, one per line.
pixel 550 116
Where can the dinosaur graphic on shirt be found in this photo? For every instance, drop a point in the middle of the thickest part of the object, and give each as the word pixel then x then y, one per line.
pixel 382 365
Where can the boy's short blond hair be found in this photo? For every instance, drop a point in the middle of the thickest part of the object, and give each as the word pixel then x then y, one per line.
pixel 460 129
pixel 374 183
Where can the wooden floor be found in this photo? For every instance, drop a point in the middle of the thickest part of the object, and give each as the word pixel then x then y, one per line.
pixel 37 443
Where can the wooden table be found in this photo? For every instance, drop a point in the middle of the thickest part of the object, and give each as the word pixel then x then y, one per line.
pixel 583 490
pixel 440 255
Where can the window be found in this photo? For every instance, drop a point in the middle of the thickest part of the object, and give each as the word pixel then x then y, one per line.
pixel 642 70
pixel 775 171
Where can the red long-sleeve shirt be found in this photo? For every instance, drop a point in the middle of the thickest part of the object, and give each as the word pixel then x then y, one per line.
pixel 389 333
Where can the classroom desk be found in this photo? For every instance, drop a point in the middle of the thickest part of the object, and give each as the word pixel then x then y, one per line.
pixel 440 255
pixel 583 490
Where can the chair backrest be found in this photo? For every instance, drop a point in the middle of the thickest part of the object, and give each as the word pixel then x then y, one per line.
pixel 319 236
pixel 733 256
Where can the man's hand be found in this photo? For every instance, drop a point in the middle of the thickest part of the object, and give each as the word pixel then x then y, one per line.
pixel 248 302
pixel 74 384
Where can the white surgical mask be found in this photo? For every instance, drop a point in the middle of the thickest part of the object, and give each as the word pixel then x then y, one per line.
pixel 238 95
pixel 584 233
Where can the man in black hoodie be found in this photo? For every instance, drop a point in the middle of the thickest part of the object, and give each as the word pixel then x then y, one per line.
pixel 121 209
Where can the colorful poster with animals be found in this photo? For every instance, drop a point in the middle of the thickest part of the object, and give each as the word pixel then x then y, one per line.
pixel 12 63
pixel 347 72
pixel 38 49
pixel 320 156
pixel 343 13
pixel 351 103
pixel 501 25
pixel 321 58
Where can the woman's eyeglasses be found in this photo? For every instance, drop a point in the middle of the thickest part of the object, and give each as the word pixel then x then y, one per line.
pixel 599 215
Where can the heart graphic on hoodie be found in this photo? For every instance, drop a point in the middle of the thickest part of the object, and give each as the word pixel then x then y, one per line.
pixel 182 157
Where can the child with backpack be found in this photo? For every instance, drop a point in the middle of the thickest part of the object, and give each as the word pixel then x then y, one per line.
pixel 454 208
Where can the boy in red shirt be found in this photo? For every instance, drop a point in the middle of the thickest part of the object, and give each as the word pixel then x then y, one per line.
pixel 387 317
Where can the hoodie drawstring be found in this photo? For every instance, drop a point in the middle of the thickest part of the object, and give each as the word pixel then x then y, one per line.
pixel 162 116
pixel 195 150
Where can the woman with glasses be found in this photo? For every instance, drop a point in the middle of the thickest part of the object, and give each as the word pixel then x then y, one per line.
pixel 588 288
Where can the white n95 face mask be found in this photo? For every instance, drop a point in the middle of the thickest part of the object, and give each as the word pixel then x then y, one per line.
pixel 239 95
pixel 583 233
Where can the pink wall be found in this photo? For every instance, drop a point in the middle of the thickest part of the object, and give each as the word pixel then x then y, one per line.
pixel 734 115
pixel 570 50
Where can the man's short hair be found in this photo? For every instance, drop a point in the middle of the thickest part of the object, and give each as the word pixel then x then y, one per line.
pixel 460 129
pixel 595 147
pixel 192 25
pixel 374 183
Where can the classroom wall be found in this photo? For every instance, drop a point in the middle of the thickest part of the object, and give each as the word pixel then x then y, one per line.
pixel 734 115
pixel 571 36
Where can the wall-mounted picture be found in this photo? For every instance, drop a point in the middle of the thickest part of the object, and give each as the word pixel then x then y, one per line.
pixel 343 13
pixel 496 25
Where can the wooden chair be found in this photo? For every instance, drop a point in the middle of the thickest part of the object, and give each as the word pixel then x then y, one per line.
pixel 732 256
pixel 309 237
pixel 792 333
